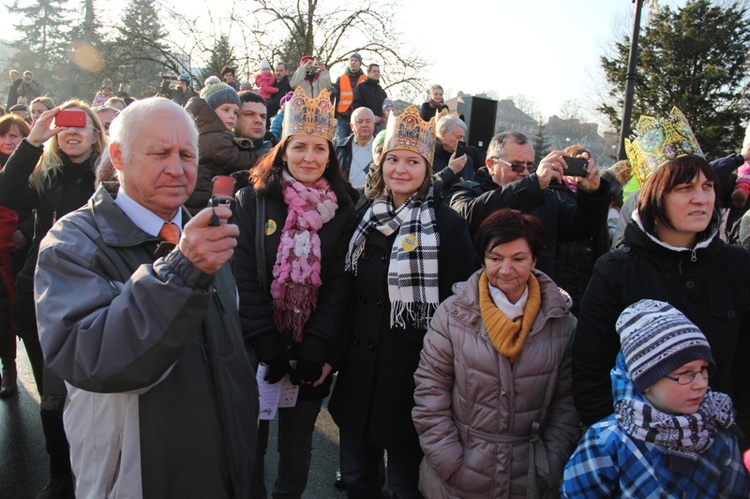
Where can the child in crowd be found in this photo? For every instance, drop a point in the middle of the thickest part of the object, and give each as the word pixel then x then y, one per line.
pixel 215 114
pixel 670 435
pixel 265 81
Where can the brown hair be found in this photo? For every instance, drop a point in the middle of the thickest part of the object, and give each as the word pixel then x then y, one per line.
pixel 265 176
pixel 576 149
pixel 505 226
pixel 651 201
pixel 378 187
pixel 8 120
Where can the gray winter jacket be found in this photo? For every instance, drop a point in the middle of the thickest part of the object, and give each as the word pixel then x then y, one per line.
pixel 162 397
pixel 489 428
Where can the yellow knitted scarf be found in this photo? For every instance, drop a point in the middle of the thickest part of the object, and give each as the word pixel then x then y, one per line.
pixel 506 335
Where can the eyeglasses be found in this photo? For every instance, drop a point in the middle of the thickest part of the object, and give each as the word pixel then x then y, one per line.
pixel 689 376
pixel 517 167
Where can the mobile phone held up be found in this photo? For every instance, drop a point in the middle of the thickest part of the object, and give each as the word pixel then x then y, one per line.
pixel 222 191
pixel 70 118
pixel 460 148
pixel 577 167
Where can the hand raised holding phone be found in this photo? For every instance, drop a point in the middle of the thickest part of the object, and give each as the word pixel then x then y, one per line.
pixel 208 239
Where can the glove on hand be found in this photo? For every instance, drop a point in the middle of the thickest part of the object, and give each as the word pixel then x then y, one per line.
pixel 278 367
pixel 306 371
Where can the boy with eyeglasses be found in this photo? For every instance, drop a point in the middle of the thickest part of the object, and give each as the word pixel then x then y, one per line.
pixel 670 435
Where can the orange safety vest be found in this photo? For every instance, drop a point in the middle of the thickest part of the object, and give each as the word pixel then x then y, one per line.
pixel 346 94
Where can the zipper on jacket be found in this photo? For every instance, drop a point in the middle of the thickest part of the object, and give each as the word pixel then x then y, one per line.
pixel 217 299
pixel 205 352
pixel 693 256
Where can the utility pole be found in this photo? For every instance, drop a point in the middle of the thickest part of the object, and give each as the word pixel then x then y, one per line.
pixel 627 109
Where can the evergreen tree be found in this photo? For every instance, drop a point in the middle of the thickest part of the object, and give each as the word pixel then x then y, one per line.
pixel 42 48
pixel 222 54
pixel 139 52
pixel 694 58
pixel 87 53
pixel 541 146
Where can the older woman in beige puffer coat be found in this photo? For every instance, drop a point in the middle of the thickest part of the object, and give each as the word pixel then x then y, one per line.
pixel 493 424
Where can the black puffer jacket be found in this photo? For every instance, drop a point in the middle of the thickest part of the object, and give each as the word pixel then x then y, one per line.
pixel 69 191
pixel 219 153
pixel 322 329
pixel 374 392
pixel 709 284
pixel 369 94
pixel 562 220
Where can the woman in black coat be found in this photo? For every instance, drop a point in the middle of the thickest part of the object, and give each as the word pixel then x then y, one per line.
pixel 52 173
pixel 407 252
pixel 295 220
pixel 671 253
pixel 434 105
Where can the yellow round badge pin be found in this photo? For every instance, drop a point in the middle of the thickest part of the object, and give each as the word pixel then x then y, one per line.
pixel 270 227
pixel 409 242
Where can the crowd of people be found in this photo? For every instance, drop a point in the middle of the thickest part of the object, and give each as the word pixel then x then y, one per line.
pixel 187 267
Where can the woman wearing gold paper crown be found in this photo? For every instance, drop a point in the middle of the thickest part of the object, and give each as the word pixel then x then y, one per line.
pixel 408 250
pixel 672 253
pixel 295 220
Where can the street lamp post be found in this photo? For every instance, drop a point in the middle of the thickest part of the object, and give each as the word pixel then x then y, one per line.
pixel 630 80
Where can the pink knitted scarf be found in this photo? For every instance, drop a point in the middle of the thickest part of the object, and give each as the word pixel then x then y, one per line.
pixel 296 273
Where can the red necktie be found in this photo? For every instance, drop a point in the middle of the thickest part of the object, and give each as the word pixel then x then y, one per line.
pixel 170 233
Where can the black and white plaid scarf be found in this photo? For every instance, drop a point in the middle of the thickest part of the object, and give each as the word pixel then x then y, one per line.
pixel 413 269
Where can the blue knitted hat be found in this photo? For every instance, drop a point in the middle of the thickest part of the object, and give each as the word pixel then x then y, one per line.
pixel 217 93
pixel 656 339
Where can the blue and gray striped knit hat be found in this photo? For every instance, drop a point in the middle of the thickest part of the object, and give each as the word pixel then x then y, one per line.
pixel 656 339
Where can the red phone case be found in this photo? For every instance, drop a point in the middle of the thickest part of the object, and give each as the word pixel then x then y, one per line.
pixel 71 118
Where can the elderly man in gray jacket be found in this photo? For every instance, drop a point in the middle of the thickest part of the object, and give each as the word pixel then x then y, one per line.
pixel 137 313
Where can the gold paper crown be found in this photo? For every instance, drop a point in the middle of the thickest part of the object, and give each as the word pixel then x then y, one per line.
pixel 660 141
pixel 311 116
pixel 409 131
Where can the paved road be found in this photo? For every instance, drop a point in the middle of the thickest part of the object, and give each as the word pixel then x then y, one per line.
pixel 23 461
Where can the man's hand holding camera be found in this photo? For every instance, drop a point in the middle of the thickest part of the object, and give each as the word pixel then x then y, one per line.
pixel 209 247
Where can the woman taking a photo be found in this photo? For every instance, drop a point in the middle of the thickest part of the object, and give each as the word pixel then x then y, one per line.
pixel 51 172
pixel 408 250
pixel 672 253
pixel 295 220
pixel 493 397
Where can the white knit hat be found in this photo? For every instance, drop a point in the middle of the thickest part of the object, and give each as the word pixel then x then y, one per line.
pixel 656 339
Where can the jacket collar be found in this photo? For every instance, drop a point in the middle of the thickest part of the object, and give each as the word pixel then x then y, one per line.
pixel 206 118
pixel 637 237
pixel 116 229
pixel 555 301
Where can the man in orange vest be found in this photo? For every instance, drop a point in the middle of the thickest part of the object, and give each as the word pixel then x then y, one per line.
pixel 343 95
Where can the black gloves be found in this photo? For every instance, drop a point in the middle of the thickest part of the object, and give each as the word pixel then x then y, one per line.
pixel 278 367
pixel 306 371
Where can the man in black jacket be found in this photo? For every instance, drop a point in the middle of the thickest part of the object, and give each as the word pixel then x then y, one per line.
pixel 370 94
pixel 282 83
pixel 510 179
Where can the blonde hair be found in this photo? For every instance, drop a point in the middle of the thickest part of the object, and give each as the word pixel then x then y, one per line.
pixel 50 164
pixel 45 100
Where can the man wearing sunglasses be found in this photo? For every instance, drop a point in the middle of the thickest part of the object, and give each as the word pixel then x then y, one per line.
pixel 510 179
